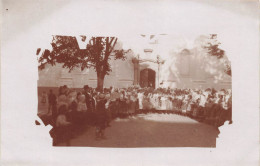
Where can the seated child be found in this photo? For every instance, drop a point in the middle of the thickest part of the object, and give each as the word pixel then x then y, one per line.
pixel 62 127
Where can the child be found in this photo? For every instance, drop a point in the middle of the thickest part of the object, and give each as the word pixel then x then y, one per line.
pixel 81 112
pixel 62 100
pixel 44 97
pixel 62 127
pixel 82 107
pixel 62 119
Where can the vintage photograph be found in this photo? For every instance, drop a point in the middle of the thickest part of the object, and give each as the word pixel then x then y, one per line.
pixel 150 83
pixel 144 91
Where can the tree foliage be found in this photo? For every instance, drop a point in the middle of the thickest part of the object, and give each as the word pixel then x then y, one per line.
pixel 97 53
pixel 212 47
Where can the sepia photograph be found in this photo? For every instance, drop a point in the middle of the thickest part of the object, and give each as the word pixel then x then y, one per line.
pixel 142 91
pixel 149 83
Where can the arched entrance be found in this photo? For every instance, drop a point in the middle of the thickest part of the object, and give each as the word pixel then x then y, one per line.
pixel 147 78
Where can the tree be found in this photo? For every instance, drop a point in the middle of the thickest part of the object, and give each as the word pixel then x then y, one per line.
pixel 98 52
pixel 213 49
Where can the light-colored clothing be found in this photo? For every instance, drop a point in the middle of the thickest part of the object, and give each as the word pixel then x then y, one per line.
pixel 202 101
pixel 163 103
pixel 114 96
pixel 146 103
pixel 169 105
pixel 61 121
pixel 140 98
pixel 82 107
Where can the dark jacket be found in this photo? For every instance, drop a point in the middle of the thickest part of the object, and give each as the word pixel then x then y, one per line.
pixel 52 98
pixel 89 101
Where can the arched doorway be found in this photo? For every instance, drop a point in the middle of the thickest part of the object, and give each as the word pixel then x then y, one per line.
pixel 147 78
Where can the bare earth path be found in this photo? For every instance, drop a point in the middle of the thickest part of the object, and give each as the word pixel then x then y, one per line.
pixel 151 130
pixel 148 130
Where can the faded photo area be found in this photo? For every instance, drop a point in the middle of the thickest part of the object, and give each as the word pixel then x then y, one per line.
pixel 141 91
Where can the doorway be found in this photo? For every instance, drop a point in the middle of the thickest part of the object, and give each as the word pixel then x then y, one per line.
pixel 147 78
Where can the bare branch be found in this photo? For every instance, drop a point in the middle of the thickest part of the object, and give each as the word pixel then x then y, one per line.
pixel 112 48
pixel 112 38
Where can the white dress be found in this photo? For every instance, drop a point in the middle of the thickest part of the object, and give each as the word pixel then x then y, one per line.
pixel 168 104
pixel 140 98
pixel 152 101
pixel 157 102
pixel 163 103
pixel 82 107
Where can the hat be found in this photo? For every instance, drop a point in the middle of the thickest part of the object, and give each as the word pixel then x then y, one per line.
pixel 86 87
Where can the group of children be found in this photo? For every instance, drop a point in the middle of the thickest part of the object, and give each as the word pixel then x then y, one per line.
pixel 72 110
pixel 211 106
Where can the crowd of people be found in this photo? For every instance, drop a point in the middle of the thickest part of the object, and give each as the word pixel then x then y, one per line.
pixel 72 110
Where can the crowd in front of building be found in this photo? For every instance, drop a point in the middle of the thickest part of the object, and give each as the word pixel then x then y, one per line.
pixel 73 110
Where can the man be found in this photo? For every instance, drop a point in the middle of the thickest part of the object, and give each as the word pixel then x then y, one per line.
pixel 90 105
pixel 108 109
pixel 88 98
pixel 101 117
pixel 51 101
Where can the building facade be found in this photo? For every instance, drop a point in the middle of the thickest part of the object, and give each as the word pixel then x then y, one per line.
pixel 186 68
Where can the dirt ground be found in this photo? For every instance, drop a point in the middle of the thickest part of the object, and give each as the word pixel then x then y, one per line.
pixel 148 130
pixel 151 130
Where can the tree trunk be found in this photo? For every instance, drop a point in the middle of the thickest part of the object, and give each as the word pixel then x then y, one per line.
pixel 100 82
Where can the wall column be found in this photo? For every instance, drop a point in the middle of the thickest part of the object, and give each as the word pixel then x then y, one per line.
pixel 136 71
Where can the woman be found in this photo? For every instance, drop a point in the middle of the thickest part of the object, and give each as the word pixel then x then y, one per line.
pixel 163 103
pixel 140 101
pixel 189 105
pixel 146 103
pixel 128 102
pixel 122 105
pixel 168 104
pixel 62 100
pixel 132 104
pixel 156 101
